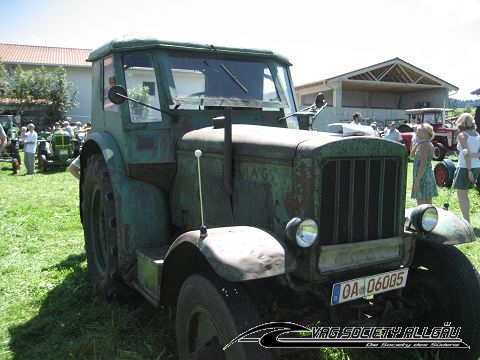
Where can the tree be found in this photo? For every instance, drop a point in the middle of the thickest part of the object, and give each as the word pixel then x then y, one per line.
pixel 41 86
pixel 139 93
pixel 3 79
pixel 62 93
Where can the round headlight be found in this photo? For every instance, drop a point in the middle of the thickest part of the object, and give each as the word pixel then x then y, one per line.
pixel 303 231
pixel 424 218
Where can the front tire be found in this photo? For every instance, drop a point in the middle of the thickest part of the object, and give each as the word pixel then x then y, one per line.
pixel 100 230
pixel 210 313
pixel 443 286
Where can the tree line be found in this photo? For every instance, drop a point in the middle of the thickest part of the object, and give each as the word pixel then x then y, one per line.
pixel 455 103
pixel 39 86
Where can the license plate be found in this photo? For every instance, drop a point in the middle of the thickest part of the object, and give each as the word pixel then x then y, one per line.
pixel 63 152
pixel 369 285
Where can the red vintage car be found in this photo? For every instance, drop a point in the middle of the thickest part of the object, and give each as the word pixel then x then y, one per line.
pixel 445 134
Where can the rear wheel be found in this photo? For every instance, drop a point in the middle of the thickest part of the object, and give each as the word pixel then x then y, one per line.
pixel 42 162
pixel 15 166
pixel 439 151
pixel 100 230
pixel 443 287
pixel 211 312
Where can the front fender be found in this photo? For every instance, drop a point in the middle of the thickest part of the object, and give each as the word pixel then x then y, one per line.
pixel 241 252
pixel 451 229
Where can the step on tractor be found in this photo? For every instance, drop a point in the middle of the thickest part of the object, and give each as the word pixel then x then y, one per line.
pixel 200 192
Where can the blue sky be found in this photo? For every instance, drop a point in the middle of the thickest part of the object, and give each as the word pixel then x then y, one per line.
pixel 321 39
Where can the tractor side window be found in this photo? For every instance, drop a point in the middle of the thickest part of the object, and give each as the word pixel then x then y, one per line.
pixel 108 82
pixel 140 81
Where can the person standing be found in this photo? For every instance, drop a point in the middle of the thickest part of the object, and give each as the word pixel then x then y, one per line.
pixel 424 186
pixel 357 119
pixel 30 148
pixel 3 139
pixel 392 133
pixel 468 142
pixel 374 126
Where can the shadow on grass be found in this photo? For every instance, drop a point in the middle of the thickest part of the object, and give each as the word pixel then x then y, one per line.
pixel 75 322
pixel 53 169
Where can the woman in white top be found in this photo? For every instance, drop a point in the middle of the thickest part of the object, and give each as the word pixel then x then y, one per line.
pixel 468 142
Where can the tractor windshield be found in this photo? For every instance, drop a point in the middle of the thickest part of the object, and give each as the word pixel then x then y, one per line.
pixel 198 82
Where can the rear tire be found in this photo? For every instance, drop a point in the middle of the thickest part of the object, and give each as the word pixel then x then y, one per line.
pixel 15 166
pixel 439 152
pixel 42 163
pixel 100 230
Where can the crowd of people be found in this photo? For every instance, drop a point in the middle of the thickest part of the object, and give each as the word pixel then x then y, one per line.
pixel 29 139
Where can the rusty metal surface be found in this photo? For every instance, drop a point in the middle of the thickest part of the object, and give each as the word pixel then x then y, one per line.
pixel 241 252
pixel 351 186
pixel 451 229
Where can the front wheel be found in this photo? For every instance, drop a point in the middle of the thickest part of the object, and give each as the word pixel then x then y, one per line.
pixel 443 287
pixel 210 313
pixel 100 230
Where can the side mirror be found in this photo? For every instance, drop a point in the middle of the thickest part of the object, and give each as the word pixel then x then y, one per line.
pixel 319 100
pixel 117 94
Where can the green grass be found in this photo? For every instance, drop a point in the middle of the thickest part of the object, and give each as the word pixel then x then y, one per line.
pixel 48 307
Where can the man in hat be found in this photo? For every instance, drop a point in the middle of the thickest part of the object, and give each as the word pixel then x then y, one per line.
pixel 392 133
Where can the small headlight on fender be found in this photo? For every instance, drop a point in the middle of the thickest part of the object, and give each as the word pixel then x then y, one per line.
pixel 423 218
pixel 303 231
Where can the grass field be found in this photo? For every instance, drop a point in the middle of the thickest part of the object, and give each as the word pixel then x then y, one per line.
pixel 48 307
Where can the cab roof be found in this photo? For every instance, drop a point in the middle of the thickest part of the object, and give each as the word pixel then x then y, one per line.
pixel 426 110
pixel 149 43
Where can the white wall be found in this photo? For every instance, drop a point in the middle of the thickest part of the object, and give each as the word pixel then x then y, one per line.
pixel 82 79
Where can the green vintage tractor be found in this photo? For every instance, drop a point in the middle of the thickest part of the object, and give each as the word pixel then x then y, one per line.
pixel 57 149
pixel 206 197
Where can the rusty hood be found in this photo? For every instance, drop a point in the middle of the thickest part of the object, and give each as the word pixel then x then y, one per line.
pixel 270 142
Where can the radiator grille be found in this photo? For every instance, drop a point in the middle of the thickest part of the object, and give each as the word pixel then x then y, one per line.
pixel 360 199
